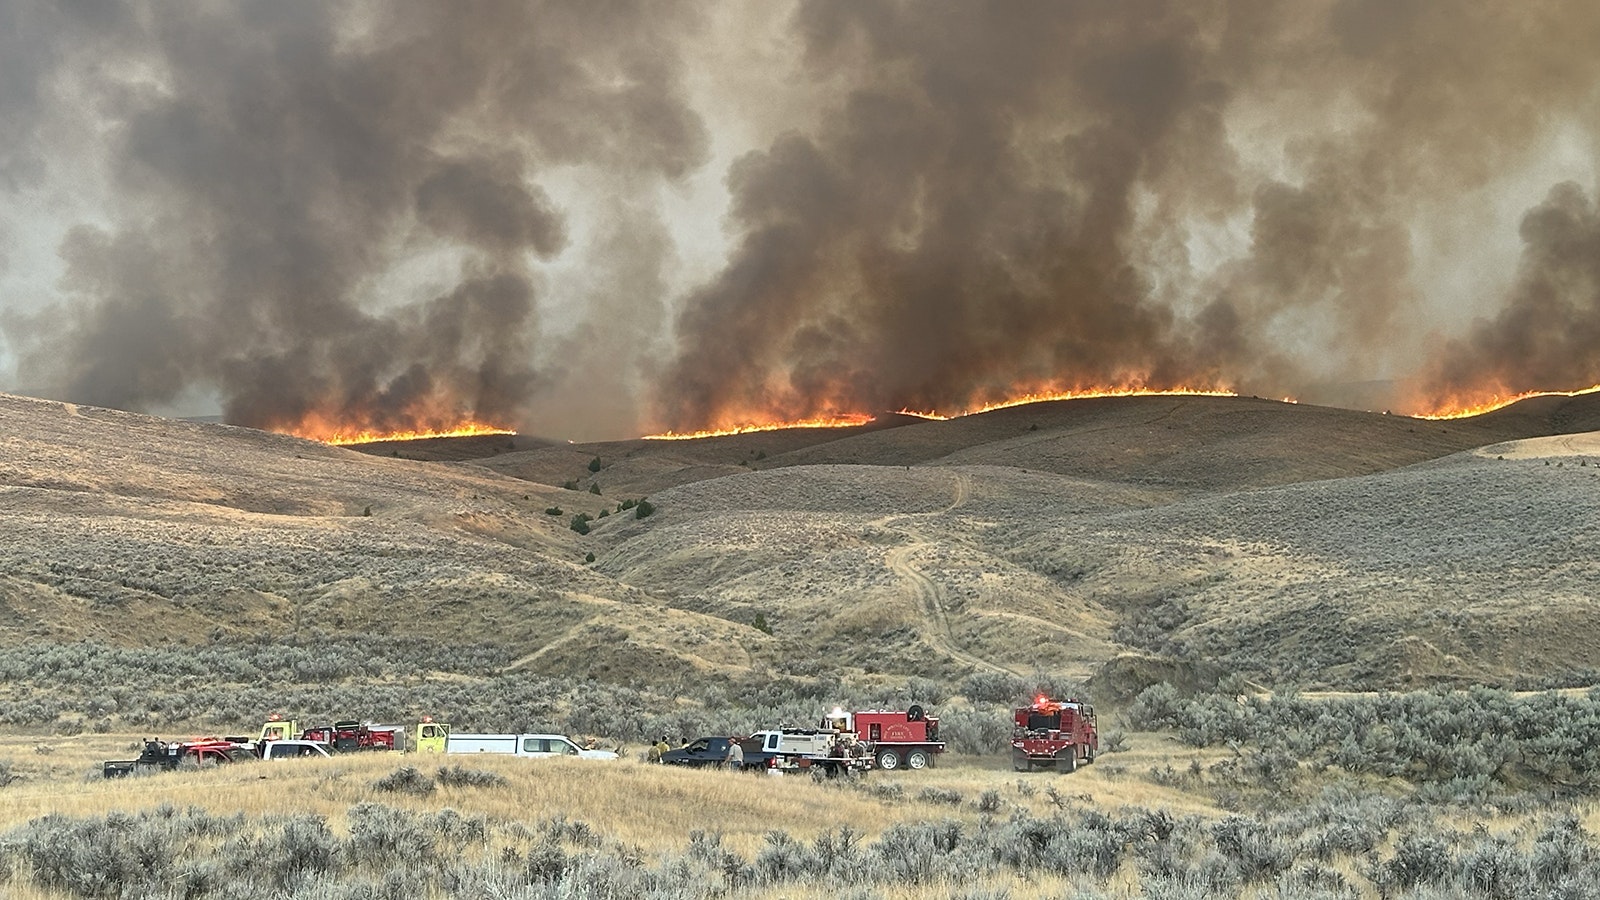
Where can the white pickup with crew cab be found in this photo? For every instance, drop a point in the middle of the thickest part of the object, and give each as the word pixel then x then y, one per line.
pixel 436 737
pixel 293 749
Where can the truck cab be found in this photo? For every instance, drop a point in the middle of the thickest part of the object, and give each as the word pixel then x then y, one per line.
pixel 293 749
pixel 541 746
pixel 432 736
pixel 711 751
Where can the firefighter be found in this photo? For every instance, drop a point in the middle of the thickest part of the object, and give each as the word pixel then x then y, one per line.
pixel 735 757
pixel 656 749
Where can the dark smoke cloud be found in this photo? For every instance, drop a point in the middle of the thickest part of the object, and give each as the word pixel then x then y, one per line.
pixel 270 163
pixel 327 212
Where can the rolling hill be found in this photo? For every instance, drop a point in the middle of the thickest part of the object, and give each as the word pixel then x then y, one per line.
pixel 1295 544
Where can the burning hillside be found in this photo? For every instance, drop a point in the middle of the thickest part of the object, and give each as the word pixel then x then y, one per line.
pixel 602 220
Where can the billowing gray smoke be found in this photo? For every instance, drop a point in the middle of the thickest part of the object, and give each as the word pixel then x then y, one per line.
pixel 273 165
pixel 350 212
pixel 1547 337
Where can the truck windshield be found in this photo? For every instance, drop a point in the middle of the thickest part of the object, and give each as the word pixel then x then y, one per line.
pixel 1042 722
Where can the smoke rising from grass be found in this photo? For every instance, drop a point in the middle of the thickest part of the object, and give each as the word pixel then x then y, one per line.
pixel 351 211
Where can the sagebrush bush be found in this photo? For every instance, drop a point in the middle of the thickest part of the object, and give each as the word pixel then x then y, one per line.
pixel 459 776
pixel 405 780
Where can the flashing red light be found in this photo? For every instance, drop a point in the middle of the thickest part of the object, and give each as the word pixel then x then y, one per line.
pixel 1041 701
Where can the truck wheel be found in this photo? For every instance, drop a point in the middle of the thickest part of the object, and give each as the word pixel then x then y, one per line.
pixel 917 759
pixel 1067 760
pixel 888 760
pixel 1020 761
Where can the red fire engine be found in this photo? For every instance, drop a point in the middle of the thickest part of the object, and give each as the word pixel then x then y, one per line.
pixel 1054 734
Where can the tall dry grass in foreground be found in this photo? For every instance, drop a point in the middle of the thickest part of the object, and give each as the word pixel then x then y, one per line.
pixel 1142 823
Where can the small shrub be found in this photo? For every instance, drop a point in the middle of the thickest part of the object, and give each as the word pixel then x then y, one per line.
pixel 989 802
pixel 643 510
pixel 992 687
pixel 594 489
pixel 589 557
pixel 458 776
pixel 942 796
pixel 594 466
pixel 552 511
pixel 580 523
pixel 405 780
pixel 760 624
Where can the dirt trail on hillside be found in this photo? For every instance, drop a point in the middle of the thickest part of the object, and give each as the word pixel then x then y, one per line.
pixel 929 595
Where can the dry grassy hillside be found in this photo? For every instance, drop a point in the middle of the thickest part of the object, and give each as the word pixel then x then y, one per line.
pixel 134 530
pixel 1193 443
pixel 1293 543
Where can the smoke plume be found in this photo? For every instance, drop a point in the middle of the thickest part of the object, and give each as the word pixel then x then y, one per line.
pixel 272 169
pixel 400 214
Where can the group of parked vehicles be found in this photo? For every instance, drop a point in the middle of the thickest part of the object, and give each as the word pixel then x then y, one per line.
pixel 1047 734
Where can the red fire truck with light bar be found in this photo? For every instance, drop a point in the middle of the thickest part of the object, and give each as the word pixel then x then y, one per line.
pixel 893 738
pixel 1054 734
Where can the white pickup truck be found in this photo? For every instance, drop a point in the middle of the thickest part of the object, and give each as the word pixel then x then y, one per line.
pixel 293 749
pixel 533 746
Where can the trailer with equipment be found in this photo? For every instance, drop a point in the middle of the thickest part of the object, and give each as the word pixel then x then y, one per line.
pixel 341 737
pixel 893 739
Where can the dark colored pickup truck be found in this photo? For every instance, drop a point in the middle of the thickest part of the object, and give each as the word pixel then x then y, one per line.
pixel 776 752
pixel 710 752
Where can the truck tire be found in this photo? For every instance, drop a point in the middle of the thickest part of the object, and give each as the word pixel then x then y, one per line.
pixel 1020 761
pixel 888 760
pixel 1067 760
pixel 917 759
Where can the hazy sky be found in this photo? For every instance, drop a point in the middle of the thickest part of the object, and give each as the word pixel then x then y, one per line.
pixel 594 220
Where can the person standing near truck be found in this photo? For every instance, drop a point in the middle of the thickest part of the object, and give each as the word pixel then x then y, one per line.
pixel 735 758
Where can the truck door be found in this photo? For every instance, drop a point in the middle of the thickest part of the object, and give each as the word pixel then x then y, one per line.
pixel 431 737
pixel 772 742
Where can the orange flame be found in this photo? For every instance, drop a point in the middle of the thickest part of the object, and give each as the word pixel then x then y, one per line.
pixel 343 435
pixel 1457 408
pixel 1099 392
pixel 846 420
